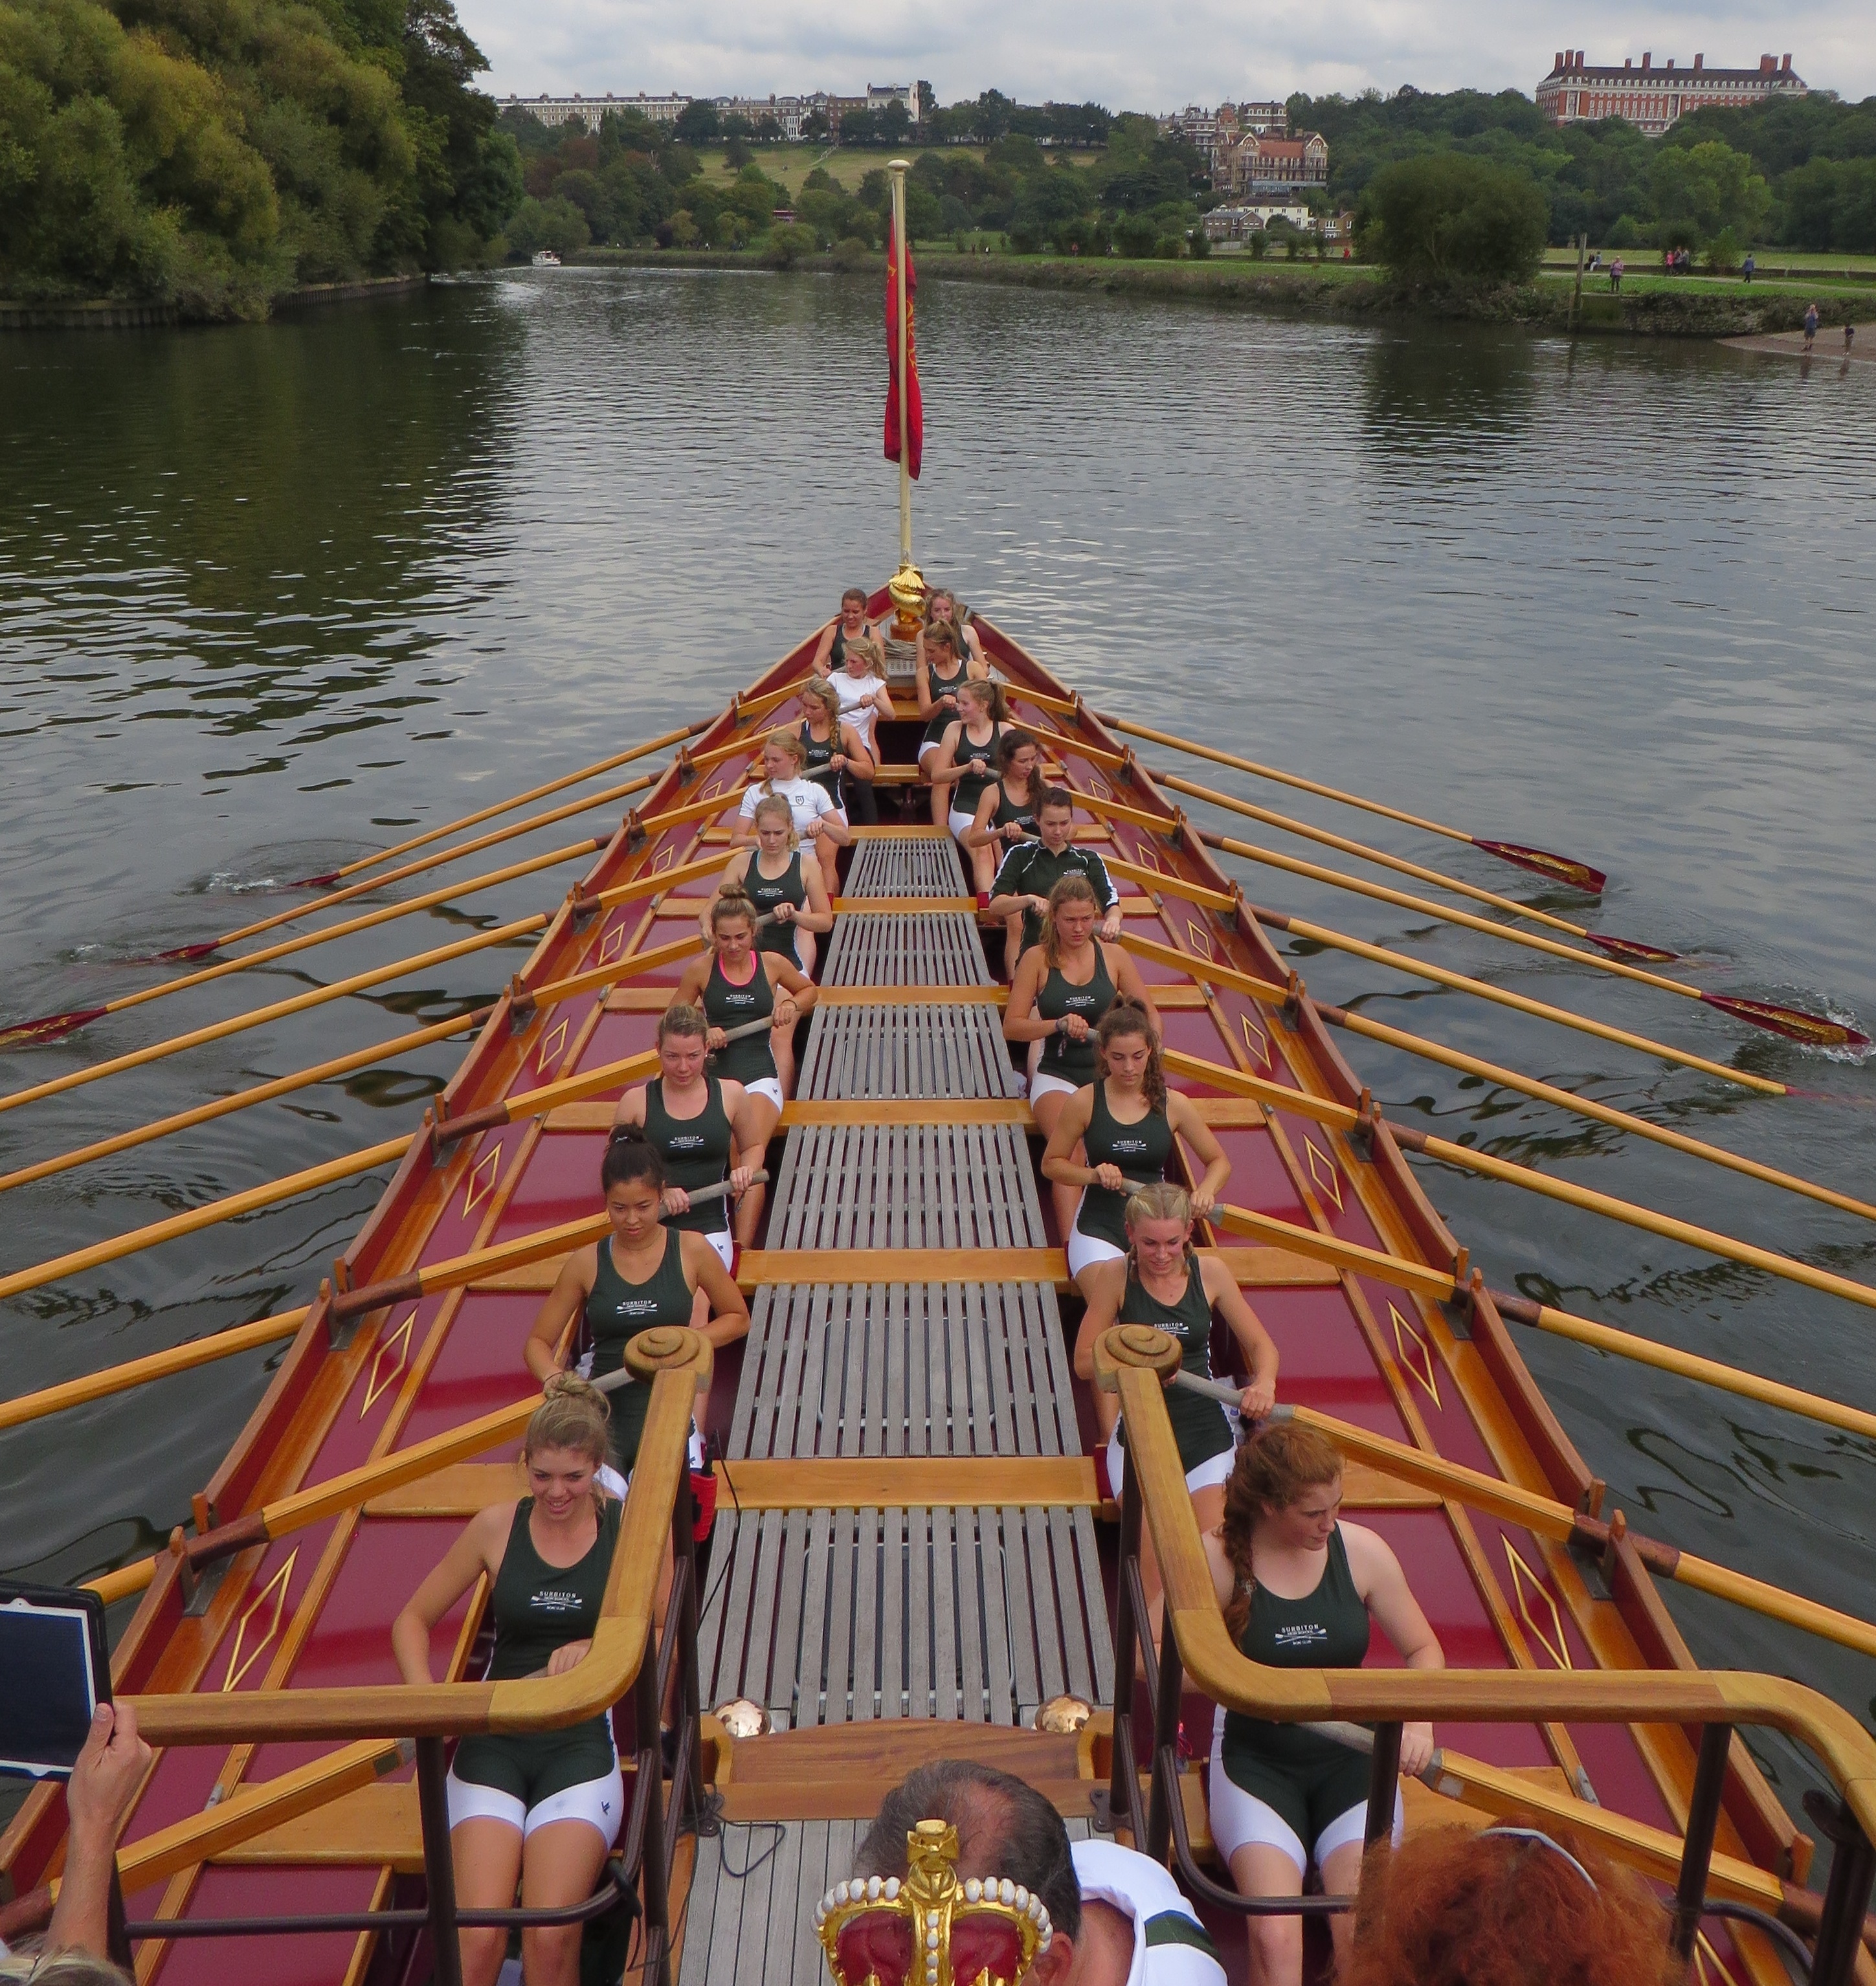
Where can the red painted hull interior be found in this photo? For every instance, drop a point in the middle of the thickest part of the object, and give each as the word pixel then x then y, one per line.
pixel 314 1608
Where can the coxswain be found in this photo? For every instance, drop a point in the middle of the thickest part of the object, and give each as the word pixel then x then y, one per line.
pixel 937 679
pixel 1005 812
pixel 690 1118
pixel 1032 869
pixel 850 628
pixel 781 885
pixel 735 984
pixel 1060 991
pixel 1116 1916
pixel 1162 1280
pixel 1299 1588
pixel 1125 1122
pixel 964 766
pixel 818 820
pixel 540 1809
pixel 836 759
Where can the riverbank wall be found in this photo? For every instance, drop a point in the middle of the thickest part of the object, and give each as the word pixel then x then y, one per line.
pixel 118 315
pixel 1310 290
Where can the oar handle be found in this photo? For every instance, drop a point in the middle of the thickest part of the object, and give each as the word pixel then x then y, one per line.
pixel 746 1030
pixel 704 1194
pixel 1213 1389
pixel 1359 1737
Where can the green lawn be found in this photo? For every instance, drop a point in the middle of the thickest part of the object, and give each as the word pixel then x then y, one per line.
pixel 1644 279
pixel 1774 263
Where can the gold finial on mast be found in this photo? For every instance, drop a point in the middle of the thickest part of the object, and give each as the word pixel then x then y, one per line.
pixel 908 585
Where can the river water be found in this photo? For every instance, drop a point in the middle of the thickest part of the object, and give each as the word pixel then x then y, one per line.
pixel 271 598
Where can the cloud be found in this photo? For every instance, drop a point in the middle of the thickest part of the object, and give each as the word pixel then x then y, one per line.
pixel 1126 56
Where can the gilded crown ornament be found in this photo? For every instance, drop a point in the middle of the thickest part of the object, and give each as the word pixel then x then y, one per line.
pixel 906 589
pixel 929 1929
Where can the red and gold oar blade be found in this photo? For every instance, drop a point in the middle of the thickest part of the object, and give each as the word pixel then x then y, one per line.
pixel 318 882
pixel 1559 868
pixel 1816 1030
pixel 192 952
pixel 49 1027
pixel 1632 949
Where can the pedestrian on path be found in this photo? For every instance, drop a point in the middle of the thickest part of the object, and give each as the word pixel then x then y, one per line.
pixel 1850 337
pixel 1615 277
pixel 1810 329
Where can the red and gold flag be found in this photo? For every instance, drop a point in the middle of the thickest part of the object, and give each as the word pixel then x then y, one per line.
pixel 914 405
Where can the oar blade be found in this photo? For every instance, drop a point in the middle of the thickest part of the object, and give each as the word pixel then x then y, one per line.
pixel 1631 949
pixel 1816 1030
pixel 185 953
pixel 1559 868
pixel 49 1027
pixel 325 882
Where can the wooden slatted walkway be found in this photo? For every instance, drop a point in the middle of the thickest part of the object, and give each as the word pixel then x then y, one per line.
pixel 841 1616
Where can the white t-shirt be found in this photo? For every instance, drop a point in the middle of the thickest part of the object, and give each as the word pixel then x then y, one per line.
pixel 1171 1948
pixel 853 691
pixel 806 802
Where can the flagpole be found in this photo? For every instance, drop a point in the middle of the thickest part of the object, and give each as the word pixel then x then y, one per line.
pixel 898 168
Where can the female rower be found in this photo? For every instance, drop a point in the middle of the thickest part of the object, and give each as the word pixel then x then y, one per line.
pixel 1125 1122
pixel 646 1274
pixel 941 608
pixel 1162 1280
pixel 542 1808
pixel 818 820
pixel 849 629
pixel 941 671
pixel 1298 1588
pixel 964 767
pixel 781 885
pixel 1061 989
pixel 863 699
pixel 690 1118
pixel 735 984
pixel 837 760
pixel 1019 892
pixel 1006 809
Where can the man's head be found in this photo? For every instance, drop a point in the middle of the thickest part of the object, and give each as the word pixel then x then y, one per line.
pixel 1005 1828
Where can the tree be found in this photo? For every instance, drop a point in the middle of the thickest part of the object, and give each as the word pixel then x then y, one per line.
pixel 696 124
pixel 555 223
pixel 894 125
pixel 1700 190
pixel 1446 219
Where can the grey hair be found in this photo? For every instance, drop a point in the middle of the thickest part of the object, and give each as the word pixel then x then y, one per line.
pixel 1005 1828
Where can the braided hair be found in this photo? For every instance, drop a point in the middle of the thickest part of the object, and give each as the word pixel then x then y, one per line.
pixel 1273 1469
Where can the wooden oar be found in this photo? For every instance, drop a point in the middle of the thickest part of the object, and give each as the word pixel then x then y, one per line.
pixel 229 1207
pixel 345 1492
pixel 52 1027
pixel 156 1366
pixel 257 1016
pixel 244 1100
pixel 559 786
pixel 1264 990
pixel 1585 1106
pixel 479 1264
pixel 1558 868
pixel 532 826
pixel 1813 1030
pixel 1442 1285
pixel 1550 1519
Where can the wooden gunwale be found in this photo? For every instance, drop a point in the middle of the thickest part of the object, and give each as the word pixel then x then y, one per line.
pixel 1517 1432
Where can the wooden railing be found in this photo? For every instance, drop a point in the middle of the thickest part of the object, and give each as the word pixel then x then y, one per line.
pixel 627 1659
pixel 1196 1650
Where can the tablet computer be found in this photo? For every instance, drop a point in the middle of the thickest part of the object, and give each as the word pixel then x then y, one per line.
pixel 54 1670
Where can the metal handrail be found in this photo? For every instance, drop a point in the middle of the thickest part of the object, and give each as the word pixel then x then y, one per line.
pixel 1137 1365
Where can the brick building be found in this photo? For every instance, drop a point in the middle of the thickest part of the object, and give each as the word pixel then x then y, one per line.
pixel 1654 99
pixel 1258 164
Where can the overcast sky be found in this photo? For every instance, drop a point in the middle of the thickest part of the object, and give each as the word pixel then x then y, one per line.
pixel 1131 57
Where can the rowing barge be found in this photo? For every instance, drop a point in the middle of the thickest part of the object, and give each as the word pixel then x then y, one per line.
pixel 912 1555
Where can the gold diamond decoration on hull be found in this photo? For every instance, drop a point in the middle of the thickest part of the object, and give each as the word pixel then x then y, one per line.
pixel 275 1590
